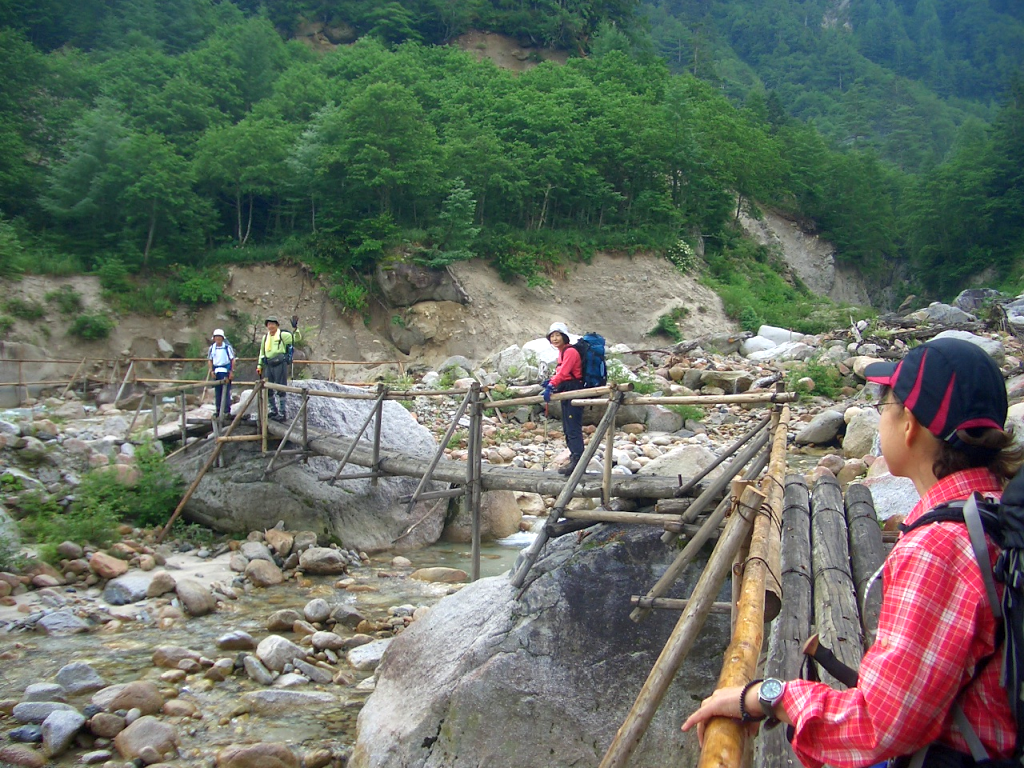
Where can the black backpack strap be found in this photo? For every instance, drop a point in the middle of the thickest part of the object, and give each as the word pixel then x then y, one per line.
pixel 977 533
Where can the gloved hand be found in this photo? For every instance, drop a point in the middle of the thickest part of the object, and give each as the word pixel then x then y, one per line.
pixel 259 372
pixel 295 322
pixel 547 392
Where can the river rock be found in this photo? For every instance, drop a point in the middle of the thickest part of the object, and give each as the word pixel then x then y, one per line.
pixel 861 432
pixel 263 573
pixel 756 344
pixel 69 550
pixel 146 732
pixel 61 623
pixel 197 599
pixel 44 692
pixel 107 566
pixel 327 641
pixel 790 350
pixel 262 755
pixel 281 541
pixel 367 657
pixel 95 757
pixel 730 382
pixel 27 734
pixel 364 516
pixel 254 668
pixel 9 532
pixel 161 583
pixel 283 620
pixel 179 708
pixel 440 574
pixel 942 314
pixel 317 609
pixel 992 347
pixel 236 641
pixel 78 677
pixel 323 560
pixel 256 550
pixel 314 673
pixel 170 656
pixel 539 659
pixel 973 299
pixel 141 695
pixel 280 701
pixel 22 756
pixel 127 589
pixel 499 517
pixel 37 711
pixel 303 540
pixel 822 429
pixel 686 460
pixel 275 651
pixel 290 680
pixel 59 730
pixel 107 725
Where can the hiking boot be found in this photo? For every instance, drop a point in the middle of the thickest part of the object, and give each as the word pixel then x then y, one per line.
pixel 568 468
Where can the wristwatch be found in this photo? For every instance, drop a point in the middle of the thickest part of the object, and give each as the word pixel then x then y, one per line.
pixel 769 696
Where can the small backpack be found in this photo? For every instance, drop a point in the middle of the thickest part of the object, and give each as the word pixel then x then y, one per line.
pixel 591 349
pixel 1003 522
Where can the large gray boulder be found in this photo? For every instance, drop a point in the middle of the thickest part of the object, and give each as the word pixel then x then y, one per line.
pixel 406 283
pixel 235 499
pixel 555 672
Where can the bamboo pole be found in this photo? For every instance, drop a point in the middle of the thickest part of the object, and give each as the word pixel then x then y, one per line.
pixel 440 451
pixel 729 451
pixel 609 449
pixel 611 516
pixel 239 438
pixel 284 441
pixel 357 436
pixel 138 410
pixel 127 375
pixel 184 421
pixel 156 418
pixel 748 398
pixel 675 604
pixel 75 376
pixel 724 737
pixel 377 424
pixel 209 463
pixel 683 636
pixel 577 393
pixel 473 474
pixel 698 540
pixel 264 416
pixel 530 555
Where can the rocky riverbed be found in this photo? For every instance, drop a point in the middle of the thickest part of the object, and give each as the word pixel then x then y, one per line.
pixel 261 648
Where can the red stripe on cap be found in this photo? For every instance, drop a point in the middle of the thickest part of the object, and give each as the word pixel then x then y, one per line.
pixel 887 381
pixel 915 392
pixel 939 422
pixel 981 422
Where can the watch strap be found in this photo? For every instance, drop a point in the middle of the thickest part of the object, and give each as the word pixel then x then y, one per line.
pixel 745 716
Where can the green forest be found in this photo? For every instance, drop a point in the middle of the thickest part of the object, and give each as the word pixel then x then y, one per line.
pixel 142 138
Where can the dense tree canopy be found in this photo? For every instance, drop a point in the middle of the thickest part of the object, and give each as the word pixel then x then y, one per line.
pixel 157 132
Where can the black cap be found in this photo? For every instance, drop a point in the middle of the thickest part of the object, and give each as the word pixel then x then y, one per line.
pixel 948 384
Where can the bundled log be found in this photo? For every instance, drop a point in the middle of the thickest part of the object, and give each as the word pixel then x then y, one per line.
pixel 835 599
pixel 867 553
pixel 794 621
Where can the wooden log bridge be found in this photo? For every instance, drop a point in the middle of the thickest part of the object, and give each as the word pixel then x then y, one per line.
pixel 471 478
pixel 832 548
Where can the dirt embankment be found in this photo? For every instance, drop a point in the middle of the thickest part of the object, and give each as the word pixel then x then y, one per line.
pixel 620 297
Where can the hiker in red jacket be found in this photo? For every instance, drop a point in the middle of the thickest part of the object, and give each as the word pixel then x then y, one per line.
pixel 568 376
pixel 942 408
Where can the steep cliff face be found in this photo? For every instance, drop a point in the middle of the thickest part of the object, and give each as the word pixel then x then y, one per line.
pixel 811 258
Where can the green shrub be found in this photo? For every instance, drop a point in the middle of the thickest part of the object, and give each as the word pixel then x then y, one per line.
pixel 67 300
pixel 350 295
pixel 113 275
pixel 828 382
pixel 91 327
pixel 688 412
pixel 199 287
pixel 681 254
pixel 26 309
pixel 6 323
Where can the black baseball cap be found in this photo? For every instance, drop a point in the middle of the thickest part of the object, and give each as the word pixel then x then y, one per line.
pixel 948 384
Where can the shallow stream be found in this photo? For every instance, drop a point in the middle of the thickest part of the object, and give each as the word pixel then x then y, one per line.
pixel 126 654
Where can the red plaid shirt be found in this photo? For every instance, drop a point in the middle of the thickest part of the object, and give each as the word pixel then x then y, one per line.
pixel 935 626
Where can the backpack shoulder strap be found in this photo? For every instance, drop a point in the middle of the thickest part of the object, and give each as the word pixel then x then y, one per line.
pixel 977 533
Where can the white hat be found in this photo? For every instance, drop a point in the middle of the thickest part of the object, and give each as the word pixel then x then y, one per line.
pixel 218 332
pixel 560 327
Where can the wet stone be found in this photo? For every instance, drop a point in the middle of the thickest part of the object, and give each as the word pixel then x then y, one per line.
pixel 38 711
pixel 107 725
pixel 59 730
pixel 254 668
pixel 236 641
pixel 44 692
pixel 282 621
pixel 22 756
pixel 27 734
pixel 79 677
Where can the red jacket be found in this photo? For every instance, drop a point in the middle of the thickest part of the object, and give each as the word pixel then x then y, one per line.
pixel 570 367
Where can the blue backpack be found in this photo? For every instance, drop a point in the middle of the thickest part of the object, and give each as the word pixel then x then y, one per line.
pixel 591 349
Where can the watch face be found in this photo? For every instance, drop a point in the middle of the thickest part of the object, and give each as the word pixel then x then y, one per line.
pixel 770 689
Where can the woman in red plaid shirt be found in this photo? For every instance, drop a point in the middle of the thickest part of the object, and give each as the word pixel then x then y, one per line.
pixel 942 414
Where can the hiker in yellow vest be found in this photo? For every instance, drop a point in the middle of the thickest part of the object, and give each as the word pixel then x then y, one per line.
pixel 275 358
